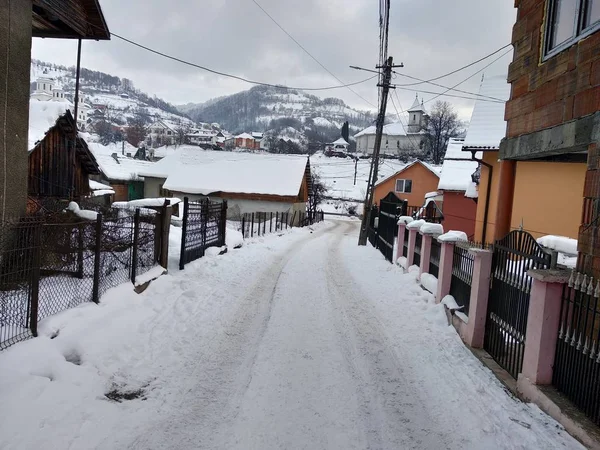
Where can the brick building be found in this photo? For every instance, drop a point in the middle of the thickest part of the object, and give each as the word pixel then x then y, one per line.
pixel 550 155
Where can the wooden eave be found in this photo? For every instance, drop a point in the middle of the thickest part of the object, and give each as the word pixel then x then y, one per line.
pixel 69 19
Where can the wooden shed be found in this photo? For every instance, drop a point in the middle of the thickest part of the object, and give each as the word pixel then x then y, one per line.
pixel 61 163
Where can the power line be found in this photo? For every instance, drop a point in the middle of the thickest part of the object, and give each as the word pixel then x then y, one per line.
pixel 443 94
pixel 446 87
pixel 400 119
pixel 310 54
pixel 236 77
pixel 458 70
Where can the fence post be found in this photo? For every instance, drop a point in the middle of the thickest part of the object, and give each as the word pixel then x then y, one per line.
pixel 244 226
pixel 252 229
pixel 97 256
pixel 224 222
pixel 480 292
pixel 183 233
pixel 271 223
pixel 412 242
pixel 276 220
pixel 425 253
pixel 136 239
pixel 445 270
pixel 542 325
pixel 165 229
pixel 80 251
pixel 265 223
pixel 35 278
pixel 400 243
pixel 203 226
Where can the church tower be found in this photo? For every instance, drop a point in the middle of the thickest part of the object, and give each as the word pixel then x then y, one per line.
pixel 416 117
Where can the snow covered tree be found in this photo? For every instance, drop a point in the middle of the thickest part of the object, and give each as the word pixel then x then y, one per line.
pixel 442 124
pixel 137 132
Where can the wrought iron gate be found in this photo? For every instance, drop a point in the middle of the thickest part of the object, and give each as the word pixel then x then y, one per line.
pixel 510 291
pixel 388 228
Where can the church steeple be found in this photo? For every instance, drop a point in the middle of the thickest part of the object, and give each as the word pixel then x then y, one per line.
pixel 416 116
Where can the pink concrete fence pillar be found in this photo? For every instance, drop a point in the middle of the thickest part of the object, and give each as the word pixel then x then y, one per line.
pixel 542 325
pixel 445 270
pixel 480 291
pixel 412 241
pixel 425 253
pixel 400 243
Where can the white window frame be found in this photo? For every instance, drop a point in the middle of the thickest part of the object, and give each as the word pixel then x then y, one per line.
pixel 403 191
pixel 579 34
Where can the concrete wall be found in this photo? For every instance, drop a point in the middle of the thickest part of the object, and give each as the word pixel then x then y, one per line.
pixel 423 181
pixel 15 60
pixel 152 187
pixel 550 198
pixel 459 212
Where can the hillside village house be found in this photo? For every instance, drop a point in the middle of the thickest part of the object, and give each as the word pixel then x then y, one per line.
pixel 397 138
pixel 247 141
pixel 75 19
pixel 160 133
pixel 204 138
pixel 340 145
pixel 411 183
pixel 58 169
pixel 249 182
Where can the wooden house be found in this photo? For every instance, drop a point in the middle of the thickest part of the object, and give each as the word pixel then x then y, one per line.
pixel 60 164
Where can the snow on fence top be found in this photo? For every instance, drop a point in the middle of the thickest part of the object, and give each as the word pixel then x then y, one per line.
pixel 42 117
pixel 405 220
pixel 561 244
pixel 416 224
pixel 453 236
pixel 83 213
pixel 146 203
pixel 192 170
pixel 432 228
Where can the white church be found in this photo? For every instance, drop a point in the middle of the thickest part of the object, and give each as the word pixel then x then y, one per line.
pixel 398 138
pixel 46 89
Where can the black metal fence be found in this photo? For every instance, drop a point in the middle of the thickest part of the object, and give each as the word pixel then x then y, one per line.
pixel 417 255
pixel 387 229
pixel 53 263
pixel 508 305
pixel 262 223
pixel 462 275
pixel 203 226
pixel 434 258
pixel 405 243
pixel 431 213
pixel 577 361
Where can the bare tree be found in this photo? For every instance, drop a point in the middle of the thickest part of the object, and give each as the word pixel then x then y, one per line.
pixel 316 194
pixel 443 124
pixel 181 133
pixel 137 131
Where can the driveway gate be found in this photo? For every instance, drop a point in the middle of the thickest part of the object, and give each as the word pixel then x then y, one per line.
pixel 390 207
pixel 510 291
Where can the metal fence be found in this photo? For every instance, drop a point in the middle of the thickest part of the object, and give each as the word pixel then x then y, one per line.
pixel 262 223
pixel 387 228
pixel 577 361
pixel 53 263
pixel 508 306
pixel 434 257
pixel 462 275
pixel 405 243
pixel 417 254
pixel 203 226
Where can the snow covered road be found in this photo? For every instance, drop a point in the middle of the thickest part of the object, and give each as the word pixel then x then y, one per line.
pixel 303 341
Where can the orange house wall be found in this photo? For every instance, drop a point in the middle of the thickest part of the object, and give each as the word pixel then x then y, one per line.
pixel 423 181
pixel 459 213
pixel 490 158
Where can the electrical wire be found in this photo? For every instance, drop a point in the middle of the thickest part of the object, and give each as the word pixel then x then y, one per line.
pixel 414 143
pixel 458 70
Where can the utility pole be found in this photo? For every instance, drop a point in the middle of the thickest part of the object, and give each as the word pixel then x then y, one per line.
pixel 385 85
pixel 355 168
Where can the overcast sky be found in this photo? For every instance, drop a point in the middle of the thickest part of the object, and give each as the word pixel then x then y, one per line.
pixel 431 37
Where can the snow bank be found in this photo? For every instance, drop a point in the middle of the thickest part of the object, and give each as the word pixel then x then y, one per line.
pixel 416 224
pixel 429 282
pixel 432 228
pixel 450 303
pixel 214 251
pixel 405 220
pixel 402 262
pixel 233 238
pixel 559 243
pixel 453 236
pixel 152 274
pixel 83 213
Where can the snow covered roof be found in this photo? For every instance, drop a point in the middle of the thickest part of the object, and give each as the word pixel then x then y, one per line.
pixel 95 186
pixel 42 117
pixel 416 106
pixel 487 127
pixel 244 136
pixel 340 141
pixel 392 129
pixel 118 168
pixel 456 175
pixel 194 171
pixel 433 169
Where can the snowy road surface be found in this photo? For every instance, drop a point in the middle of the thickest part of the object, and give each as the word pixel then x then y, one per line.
pixel 303 341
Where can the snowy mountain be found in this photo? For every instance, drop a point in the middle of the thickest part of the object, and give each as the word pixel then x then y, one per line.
pixel 123 100
pixel 265 108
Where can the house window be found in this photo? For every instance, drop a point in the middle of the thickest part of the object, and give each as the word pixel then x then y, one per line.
pixel 404 186
pixel 569 21
pixel 414 117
